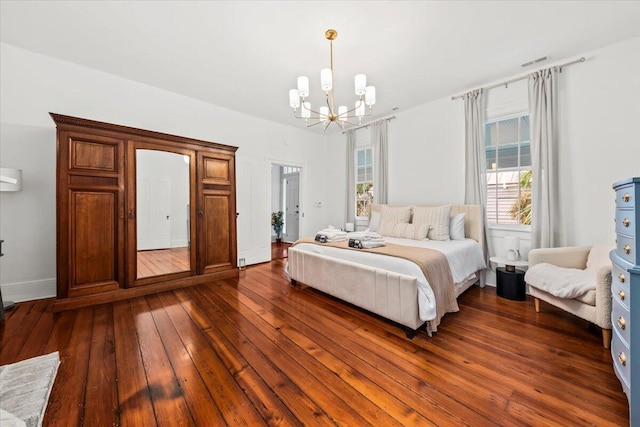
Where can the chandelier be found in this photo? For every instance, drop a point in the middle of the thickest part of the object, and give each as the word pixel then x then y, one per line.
pixel 328 114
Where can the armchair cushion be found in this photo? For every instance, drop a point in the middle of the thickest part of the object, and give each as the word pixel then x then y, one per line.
pixel 560 281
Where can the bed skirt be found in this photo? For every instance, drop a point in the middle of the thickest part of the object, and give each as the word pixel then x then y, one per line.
pixel 391 295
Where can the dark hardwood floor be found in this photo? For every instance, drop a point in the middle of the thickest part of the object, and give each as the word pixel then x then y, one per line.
pixel 279 250
pixel 162 261
pixel 257 351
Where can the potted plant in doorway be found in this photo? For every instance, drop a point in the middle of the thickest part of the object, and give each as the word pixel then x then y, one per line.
pixel 277 221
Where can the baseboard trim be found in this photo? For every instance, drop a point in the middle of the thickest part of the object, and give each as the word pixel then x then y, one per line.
pixel 28 291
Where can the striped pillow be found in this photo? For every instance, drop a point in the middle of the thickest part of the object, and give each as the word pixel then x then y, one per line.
pixel 396 213
pixel 438 217
pixel 404 230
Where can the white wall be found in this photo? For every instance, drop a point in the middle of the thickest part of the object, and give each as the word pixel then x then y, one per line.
pixel 31 85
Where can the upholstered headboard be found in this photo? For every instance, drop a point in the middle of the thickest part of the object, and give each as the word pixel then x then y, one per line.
pixel 473 227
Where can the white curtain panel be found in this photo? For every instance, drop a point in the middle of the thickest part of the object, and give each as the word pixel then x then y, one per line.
pixel 380 143
pixel 475 190
pixel 351 177
pixel 546 217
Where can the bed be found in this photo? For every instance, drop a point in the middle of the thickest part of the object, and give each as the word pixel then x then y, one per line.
pixel 391 286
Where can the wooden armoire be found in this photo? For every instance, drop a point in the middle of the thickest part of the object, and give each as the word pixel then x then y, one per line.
pixel 116 184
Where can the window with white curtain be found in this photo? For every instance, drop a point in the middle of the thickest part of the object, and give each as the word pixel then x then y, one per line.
pixel 508 153
pixel 364 175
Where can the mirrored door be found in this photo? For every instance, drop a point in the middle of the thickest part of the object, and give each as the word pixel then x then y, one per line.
pixel 160 213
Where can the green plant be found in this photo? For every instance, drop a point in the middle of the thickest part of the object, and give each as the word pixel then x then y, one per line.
pixel 277 221
pixel 521 208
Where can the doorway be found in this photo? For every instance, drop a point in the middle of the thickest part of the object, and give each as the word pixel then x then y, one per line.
pixel 285 197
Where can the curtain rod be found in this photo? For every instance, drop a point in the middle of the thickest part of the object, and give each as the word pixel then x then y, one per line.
pixel 508 82
pixel 368 124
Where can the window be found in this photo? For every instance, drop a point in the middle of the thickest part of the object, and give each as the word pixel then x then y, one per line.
pixel 508 152
pixel 364 181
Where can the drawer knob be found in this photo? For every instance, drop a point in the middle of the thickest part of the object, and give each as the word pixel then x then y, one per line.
pixel 622 359
pixel 621 295
pixel 626 197
pixel 626 222
pixel 622 323
pixel 621 277
pixel 627 249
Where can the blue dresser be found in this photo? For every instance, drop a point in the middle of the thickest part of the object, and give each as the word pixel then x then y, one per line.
pixel 625 289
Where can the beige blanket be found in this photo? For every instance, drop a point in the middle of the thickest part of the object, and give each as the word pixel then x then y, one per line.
pixel 433 264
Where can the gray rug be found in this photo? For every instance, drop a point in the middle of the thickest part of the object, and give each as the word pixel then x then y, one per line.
pixel 24 390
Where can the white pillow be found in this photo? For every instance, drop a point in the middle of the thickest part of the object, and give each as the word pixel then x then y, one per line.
pixel 404 230
pixel 437 217
pixel 396 213
pixel 456 227
pixel 374 221
pixel 599 257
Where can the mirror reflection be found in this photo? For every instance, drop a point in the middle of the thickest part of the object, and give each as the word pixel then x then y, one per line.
pixel 162 198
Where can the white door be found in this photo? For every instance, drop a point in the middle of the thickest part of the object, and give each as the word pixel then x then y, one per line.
pixel 292 208
pixel 153 220
pixel 254 219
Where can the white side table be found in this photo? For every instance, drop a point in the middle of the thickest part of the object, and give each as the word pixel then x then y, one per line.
pixel 509 265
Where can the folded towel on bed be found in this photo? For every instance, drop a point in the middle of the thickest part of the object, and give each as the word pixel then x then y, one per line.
pixel 365 244
pixel 330 234
pixel 367 235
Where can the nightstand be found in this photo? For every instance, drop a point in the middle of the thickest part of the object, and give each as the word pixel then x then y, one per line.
pixel 509 280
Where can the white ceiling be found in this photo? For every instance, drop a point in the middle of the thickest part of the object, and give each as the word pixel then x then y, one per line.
pixel 246 55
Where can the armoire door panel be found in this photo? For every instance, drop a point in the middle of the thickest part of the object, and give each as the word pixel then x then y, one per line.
pixel 216 253
pixel 94 154
pixel 94 241
pixel 216 171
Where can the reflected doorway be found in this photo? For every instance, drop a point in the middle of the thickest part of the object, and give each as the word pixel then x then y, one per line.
pixel 162 220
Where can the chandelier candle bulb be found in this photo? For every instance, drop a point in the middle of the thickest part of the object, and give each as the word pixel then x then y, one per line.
pixel 342 112
pixel 359 108
pixel 294 98
pixel 306 109
pixel 370 96
pixel 324 113
pixel 303 86
pixel 361 84
pixel 326 79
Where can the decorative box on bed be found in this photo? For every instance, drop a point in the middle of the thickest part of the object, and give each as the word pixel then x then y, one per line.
pixel 392 287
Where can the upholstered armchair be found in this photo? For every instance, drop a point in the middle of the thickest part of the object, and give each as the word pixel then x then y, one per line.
pixel 575 279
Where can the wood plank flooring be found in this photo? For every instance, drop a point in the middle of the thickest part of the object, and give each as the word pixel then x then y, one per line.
pixel 280 250
pixel 257 351
pixel 163 261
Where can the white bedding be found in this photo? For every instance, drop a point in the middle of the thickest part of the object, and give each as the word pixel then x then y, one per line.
pixel 464 256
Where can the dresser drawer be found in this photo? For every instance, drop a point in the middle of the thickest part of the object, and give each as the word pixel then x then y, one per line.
pixel 621 358
pixel 620 294
pixel 619 273
pixel 621 321
pixel 625 197
pixel 626 248
pixel 626 387
pixel 625 222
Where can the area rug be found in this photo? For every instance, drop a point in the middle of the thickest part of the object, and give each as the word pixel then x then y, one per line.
pixel 24 390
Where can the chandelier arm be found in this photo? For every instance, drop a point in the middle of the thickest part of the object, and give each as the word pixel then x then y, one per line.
pixel 353 109
pixel 350 123
pixel 329 105
pixel 300 117
pixel 314 124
